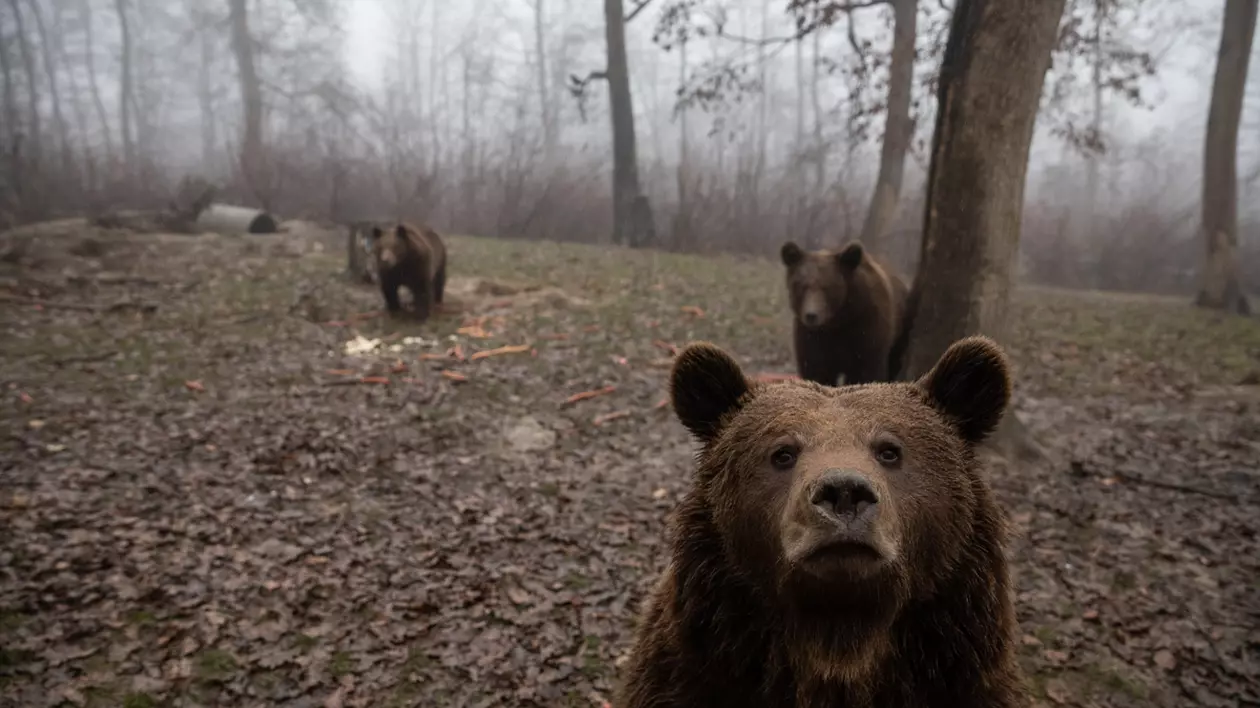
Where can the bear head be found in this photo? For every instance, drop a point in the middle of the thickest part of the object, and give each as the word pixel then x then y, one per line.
pixel 818 281
pixel 390 244
pixel 839 506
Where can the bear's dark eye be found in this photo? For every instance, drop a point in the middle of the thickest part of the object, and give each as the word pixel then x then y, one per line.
pixel 888 454
pixel 783 458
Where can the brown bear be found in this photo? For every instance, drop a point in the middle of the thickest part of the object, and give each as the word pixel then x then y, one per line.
pixel 839 547
pixel 412 257
pixel 848 310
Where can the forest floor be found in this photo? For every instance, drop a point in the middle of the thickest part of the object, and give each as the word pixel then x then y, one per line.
pixel 226 480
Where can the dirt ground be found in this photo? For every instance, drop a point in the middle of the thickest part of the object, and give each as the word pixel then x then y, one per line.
pixel 226 481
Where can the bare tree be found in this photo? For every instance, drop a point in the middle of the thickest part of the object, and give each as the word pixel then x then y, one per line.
pixel 50 71
pixel 991 79
pixel 251 99
pixel 898 125
pixel 125 88
pixel 89 58
pixel 632 215
pixel 1221 287
pixel 546 107
pixel 34 139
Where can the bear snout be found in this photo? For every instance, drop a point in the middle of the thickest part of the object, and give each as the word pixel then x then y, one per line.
pixel 845 496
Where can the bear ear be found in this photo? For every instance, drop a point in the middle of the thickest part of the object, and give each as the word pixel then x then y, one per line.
pixel 376 232
pixel 401 231
pixel 705 385
pixel 851 256
pixel 791 254
pixel 970 384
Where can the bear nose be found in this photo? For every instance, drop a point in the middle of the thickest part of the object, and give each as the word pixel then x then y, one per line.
pixel 810 318
pixel 841 493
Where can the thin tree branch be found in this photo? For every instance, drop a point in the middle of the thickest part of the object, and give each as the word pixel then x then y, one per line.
pixel 638 8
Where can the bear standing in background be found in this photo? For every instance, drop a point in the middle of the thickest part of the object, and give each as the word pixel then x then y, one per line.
pixel 848 310
pixel 839 547
pixel 410 257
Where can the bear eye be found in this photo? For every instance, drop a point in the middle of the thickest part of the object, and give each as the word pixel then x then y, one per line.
pixel 888 454
pixel 783 458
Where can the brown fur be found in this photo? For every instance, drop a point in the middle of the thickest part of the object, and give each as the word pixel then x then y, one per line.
pixel 411 257
pixel 859 305
pixel 750 613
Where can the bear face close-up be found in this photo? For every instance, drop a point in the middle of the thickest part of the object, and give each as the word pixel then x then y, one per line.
pixel 839 546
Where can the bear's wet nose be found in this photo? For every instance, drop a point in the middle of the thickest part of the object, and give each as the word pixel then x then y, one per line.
pixel 841 493
pixel 810 318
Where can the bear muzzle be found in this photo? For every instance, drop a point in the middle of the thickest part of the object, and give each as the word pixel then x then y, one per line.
pixel 838 525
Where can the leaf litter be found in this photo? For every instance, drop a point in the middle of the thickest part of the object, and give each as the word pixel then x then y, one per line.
pixel 271 540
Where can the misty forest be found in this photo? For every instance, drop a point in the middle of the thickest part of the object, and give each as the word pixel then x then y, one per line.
pixel 238 469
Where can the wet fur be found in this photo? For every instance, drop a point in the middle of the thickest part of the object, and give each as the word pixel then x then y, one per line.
pixel 867 304
pixel 411 257
pixel 720 630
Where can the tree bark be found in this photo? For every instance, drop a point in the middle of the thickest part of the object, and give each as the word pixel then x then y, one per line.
pixel 991 79
pixel 990 87
pixel 251 99
pixel 124 91
pixel 898 126
pixel 632 220
pixel 1221 288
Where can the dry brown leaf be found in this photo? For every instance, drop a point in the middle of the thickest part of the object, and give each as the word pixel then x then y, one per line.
pixel 513 349
pixel 692 310
pixel 194 386
pixel 25 397
pixel 454 376
pixel 374 380
pixel 474 331
pixel 608 417
pixel 399 367
pixel 584 395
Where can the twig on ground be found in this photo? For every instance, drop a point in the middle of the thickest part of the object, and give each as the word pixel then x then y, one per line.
pixel 584 395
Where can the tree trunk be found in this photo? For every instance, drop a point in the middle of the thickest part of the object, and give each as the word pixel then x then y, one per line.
pixel 251 99
pixel 11 125
pixel 631 212
pixel 124 92
pixel 898 126
pixel 991 79
pixel 50 70
pixel 205 96
pixel 89 53
pixel 1221 287
pixel 33 141
pixel 820 150
pixel 545 107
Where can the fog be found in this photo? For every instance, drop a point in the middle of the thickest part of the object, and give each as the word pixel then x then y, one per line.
pixel 411 109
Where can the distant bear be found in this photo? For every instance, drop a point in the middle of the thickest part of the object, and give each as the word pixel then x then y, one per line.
pixel 848 311
pixel 411 257
pixel 839 547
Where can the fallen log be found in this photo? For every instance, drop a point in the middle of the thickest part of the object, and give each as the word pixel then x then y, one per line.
pixel 229 219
